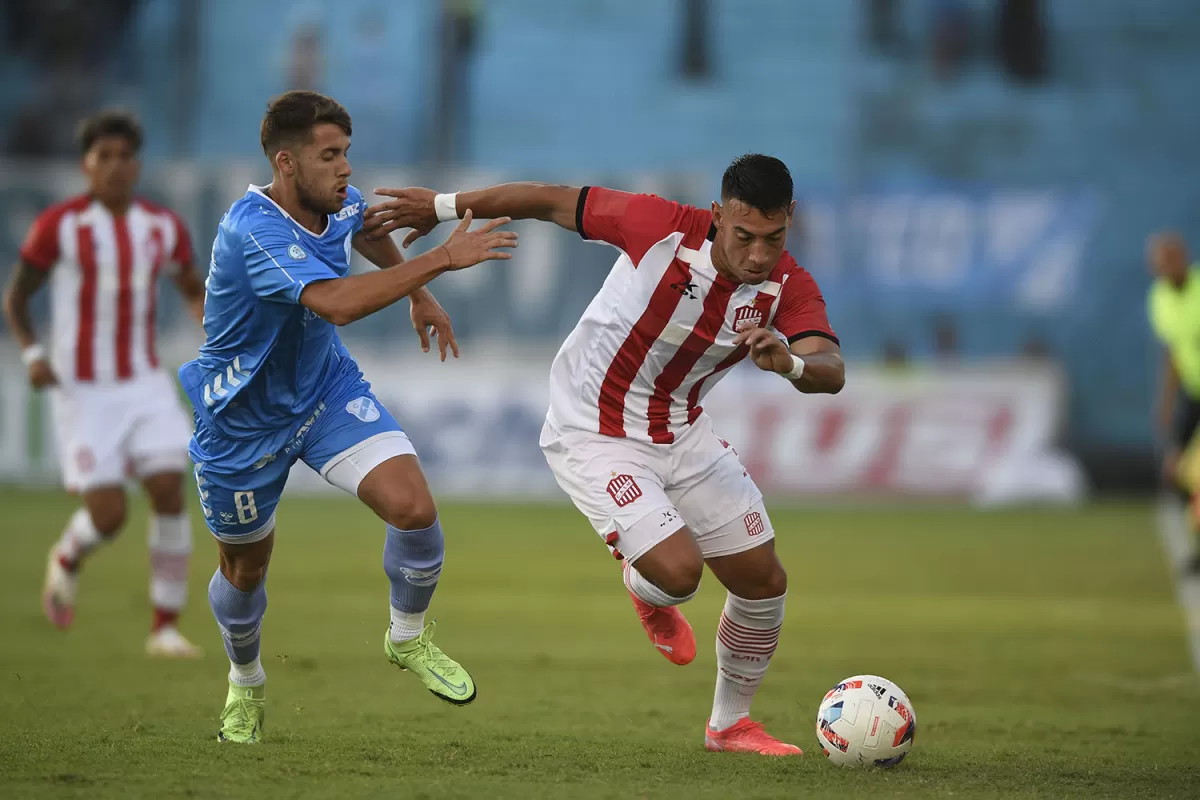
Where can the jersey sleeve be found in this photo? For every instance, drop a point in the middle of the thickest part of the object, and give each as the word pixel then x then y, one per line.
pixel 40 249
pixel 801 310
pixel 632 222
pixel 278 266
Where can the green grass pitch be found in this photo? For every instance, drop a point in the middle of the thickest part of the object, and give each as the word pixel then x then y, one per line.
pixel 1043 651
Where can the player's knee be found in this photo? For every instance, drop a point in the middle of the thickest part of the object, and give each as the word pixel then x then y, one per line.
pixel 681 578
pixel 166 493
pixel 107 512
pixel 776 583
pixel 409 511
pixel 244 575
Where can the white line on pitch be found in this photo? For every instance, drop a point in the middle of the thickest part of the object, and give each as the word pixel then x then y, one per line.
pixel 1177 546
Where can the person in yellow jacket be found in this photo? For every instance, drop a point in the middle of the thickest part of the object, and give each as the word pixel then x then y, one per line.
pixel 1174 309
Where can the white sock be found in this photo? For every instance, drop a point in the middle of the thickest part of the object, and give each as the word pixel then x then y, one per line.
pixel 170 552
pixel 79 538
pixel 648 592
pixel 251 674
pixel 405 626
pixel 746 640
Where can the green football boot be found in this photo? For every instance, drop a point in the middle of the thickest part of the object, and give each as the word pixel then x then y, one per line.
pixel 442 675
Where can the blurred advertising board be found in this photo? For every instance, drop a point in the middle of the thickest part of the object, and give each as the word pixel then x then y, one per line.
pixel 983 433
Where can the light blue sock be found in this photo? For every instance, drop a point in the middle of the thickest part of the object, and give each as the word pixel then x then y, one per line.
pixel 413 563
pixel 239 615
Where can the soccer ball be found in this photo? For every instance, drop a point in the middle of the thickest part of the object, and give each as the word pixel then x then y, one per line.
pixel 866 721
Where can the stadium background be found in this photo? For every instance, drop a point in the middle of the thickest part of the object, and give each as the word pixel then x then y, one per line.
pixel 976 181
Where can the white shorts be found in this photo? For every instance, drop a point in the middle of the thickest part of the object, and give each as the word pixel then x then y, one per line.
pixel 105 433
pixel 646 492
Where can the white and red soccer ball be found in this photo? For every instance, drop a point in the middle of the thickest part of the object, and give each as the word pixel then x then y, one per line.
pixel 866 721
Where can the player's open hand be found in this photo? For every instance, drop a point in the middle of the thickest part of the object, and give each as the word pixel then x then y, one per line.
pixel 767 351
pixel 467 248
pixel 410 208
pixel 428 314
pixel 41 374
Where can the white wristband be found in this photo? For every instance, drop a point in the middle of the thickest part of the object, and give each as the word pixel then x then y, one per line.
pixel 33 354
pixel 797 369
pixel 446 207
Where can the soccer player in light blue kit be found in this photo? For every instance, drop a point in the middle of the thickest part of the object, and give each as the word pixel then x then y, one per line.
pixel 273 383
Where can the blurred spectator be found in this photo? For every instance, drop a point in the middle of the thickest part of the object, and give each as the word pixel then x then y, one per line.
pixel 951 27
pixel 882 31
pixel 306 63
pixel 368 88
pixel 945 340
pixel 1021 39
pixel 460 32
pixel 32 135
pixel 895 355
pixel 1036 349
pixel 697 62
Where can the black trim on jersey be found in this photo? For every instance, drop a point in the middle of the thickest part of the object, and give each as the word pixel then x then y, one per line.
pixel 583 193
pixel 822 334
pixel 712 232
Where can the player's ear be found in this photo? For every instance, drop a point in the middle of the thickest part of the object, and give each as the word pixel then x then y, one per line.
pixel 791 211
pixel 716 214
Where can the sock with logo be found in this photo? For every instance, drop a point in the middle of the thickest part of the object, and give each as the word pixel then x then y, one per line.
pixel 746 640
pixel 239 615
pixel 413 563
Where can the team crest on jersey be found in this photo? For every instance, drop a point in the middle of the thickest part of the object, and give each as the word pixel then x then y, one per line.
pixel 296 253
pixel 748 317
pixel 623 489
pixel 364 408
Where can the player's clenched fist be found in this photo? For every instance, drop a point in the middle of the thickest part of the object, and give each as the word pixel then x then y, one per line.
pixel 41 375
pixel 466 248
pixel 767 351
pixel 409 208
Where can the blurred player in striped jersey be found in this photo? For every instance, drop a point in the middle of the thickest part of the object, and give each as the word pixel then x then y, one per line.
pixel 115 411
pixel 694 292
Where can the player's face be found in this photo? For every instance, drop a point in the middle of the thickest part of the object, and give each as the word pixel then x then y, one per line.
pixel 111 166
pixel 750 241
pixel 323 170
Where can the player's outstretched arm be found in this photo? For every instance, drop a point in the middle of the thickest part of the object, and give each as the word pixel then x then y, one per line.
pixel 426 312
pixel 813 364
pixel 416 207
pixel 345 300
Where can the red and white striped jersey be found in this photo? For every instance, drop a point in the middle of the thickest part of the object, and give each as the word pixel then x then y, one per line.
pixel 659 334
pixel 104 284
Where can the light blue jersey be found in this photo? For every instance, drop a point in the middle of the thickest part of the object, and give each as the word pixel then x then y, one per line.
pixel 265 355
pixel 273 382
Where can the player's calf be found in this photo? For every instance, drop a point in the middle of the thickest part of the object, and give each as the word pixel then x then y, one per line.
pixel 88 529
pixel 663 578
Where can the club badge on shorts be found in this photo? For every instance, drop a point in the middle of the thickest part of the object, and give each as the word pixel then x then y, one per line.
pixel 364 408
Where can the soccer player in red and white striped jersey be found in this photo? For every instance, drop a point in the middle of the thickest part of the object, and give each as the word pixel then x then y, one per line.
pixel 693 292
pixel 115 411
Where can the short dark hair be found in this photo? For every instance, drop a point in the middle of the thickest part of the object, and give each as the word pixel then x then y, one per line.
pixel 291 117
pixel 762 182
pixel 112 122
